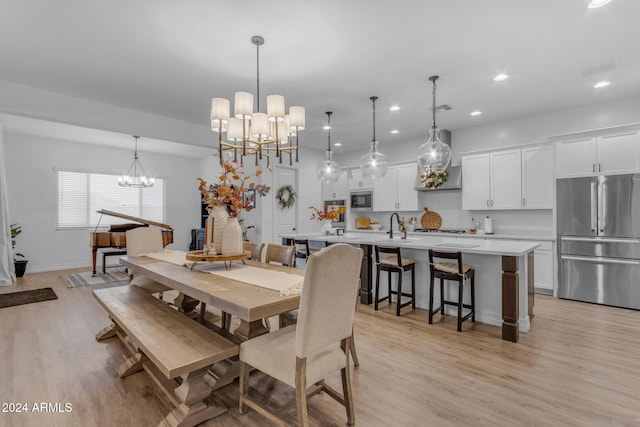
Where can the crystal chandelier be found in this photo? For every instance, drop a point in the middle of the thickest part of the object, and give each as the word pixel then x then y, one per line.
pixel 374 163
pixel 255 133
pixel 434 155
pixel 135 178
pixel 329 170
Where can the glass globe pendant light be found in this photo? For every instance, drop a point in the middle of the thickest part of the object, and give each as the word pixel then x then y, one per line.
pixel 374 163
pixel 329 170
pixel 434 155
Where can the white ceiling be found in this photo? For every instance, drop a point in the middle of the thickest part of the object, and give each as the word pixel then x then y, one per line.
pixel 171 57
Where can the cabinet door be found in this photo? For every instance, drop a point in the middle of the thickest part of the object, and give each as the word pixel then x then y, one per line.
pixel 407 195
pixel 358 182
pixel 336 190
pixel 475 182
pixel 576 157
pixel 385 197
pixel 506 178
pixel 537 177
pixel 543 269
pixel 618 154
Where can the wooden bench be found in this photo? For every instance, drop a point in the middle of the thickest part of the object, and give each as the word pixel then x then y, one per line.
pixel 175 350
pixel 110 252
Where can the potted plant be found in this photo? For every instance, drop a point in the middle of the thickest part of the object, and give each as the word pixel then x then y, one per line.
pixel 20 265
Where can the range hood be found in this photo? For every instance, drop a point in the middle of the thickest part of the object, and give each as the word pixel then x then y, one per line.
pixel 454 180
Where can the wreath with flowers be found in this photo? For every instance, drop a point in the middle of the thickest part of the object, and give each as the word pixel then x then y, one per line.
pixel 286 196
pixel 434 179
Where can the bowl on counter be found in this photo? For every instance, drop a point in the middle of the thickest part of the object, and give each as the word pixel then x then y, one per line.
pixel 376 226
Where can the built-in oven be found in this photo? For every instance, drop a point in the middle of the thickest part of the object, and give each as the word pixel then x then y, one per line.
pixel 337 204
pixel 361 200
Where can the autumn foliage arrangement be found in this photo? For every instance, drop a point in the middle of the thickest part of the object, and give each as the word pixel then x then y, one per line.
pixel 233 189
pixel 326 214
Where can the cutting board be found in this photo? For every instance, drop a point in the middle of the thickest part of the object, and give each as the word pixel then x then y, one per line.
pixel 430 220
pixel 363 223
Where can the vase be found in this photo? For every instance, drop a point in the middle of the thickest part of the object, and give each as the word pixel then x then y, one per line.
pixel 326 227
pixel 232 237
pixel 219 213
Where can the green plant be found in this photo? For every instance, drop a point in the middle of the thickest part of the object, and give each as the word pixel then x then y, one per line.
pixel 15 231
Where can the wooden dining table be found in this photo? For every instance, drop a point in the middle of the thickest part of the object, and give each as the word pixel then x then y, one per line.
pixel 248 302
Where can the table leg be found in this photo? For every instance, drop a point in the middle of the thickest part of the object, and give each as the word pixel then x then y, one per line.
pixel 185 303
pixel 510 308
pixel 248 330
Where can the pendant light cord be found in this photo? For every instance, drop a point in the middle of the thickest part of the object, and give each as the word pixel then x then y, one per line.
pixel 329 124
pixel 373 100
pixel 258 77
pixel 433 80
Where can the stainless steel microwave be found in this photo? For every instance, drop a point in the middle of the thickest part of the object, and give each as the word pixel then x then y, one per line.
pixel 362 200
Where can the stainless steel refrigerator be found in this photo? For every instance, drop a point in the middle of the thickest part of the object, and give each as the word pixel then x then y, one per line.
pixel 598 223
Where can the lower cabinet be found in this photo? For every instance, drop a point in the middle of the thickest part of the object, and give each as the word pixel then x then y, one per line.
pixel 543 268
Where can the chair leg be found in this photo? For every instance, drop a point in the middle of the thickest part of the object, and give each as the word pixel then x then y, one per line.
pixel 431 282
pixel 244 386
pixel 352 350
pixel 399 295
pixel 460 289
pixel 413 288
pixel 301 392
pixel 347 392
pixel 473 299
pixel 389 283
pixel 442 296
pixel 377 296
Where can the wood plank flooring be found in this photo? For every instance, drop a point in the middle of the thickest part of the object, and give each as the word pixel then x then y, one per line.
pixel 578 366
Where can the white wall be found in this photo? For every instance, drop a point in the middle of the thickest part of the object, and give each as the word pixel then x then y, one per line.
pixel 32 192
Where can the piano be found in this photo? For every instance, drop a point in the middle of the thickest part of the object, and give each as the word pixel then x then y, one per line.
pixel 116 236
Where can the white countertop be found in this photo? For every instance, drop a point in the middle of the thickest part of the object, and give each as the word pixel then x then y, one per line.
pixel 546 236
pixel 458 242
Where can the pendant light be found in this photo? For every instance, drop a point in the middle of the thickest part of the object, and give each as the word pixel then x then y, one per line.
pixel 328 171
pixel 374 163
pixel 434 155
pixel 134 177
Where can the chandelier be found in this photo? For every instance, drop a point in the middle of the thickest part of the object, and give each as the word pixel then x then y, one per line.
pixel 136 177
pixel 255 133
pixel 374 163
pixel 434 155
pixel 329 170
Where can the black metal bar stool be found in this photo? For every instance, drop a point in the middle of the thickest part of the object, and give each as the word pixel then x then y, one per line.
pixel 302 250
pixel 394 263
pixel 456 271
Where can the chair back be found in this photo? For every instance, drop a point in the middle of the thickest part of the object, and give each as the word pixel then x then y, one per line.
pixel 302 247
pixel 328 298
pixel 279 254
pixel 388 250
pixel 254 248
pixel 434 256
pixel 144 240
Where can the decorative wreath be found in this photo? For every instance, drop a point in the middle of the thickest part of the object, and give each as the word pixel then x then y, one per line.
pixel 434 179
pixel 286 196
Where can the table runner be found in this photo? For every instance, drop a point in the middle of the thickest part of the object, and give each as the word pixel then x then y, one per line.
pixel 173 257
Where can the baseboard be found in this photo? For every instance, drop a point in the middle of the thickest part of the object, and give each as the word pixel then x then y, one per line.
pixel 55 267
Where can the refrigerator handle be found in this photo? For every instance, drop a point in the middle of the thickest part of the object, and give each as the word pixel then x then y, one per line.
pixel 600 260
pixel 594 212
pixel 603 207
pixel 601 217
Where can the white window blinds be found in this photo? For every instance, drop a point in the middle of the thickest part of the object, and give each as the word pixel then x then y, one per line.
pixel 81 194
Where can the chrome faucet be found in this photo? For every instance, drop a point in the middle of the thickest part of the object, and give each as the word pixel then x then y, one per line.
pixel 400 226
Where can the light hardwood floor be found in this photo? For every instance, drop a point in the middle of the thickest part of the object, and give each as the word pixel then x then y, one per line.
pixel 578 366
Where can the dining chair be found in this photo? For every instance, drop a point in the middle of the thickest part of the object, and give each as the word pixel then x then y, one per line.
pixel 301 356
pixel 279 254
pixel 142 240
pixel 254 248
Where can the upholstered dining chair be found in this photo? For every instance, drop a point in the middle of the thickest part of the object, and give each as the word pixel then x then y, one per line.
pixel 144 240
pixel 301 356
pixel 254 248
pixel 279 254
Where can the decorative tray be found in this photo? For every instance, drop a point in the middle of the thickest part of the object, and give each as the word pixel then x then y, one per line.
pixel 199 257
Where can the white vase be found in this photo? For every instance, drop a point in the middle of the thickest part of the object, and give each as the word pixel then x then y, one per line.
pixel 220 216
pixel 326 227
pixel 232 237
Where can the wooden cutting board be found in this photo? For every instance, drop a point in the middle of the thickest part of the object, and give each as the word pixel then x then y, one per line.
pixel 363 223
pixel 430 220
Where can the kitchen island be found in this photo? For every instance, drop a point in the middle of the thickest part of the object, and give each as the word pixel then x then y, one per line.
pixel 504 272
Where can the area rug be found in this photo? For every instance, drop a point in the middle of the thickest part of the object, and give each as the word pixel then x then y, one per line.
pixel 26 297
pixel 86 279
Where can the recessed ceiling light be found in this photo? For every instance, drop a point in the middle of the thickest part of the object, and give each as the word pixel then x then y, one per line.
pixel 500 77
pixel 597 3
pixel 326 127
pixel 338 144
pixel 394 108
pixel 601 84
pixel 394 131
pixel 476 113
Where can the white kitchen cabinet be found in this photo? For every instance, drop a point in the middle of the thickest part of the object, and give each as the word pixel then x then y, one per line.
pixel 336 190
pixel 395 191
pixel 543 268
pixel 612 152
pixel 537 177
pixel 492 180
pixel 358 182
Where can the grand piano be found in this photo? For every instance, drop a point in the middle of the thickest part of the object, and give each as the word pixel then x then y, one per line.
pixel 116 236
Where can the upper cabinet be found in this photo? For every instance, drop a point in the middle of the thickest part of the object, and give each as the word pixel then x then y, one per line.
pixel 358 182
pixel 508 179
pixel 395 191
pixel 336 190
pixel 611 152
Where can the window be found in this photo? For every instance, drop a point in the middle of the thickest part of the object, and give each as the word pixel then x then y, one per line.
pixel 81 194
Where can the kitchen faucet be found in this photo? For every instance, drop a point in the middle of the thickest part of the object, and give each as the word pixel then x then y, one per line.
pixel 400 226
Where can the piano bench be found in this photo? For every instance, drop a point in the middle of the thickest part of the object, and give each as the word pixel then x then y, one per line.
pixel 110 252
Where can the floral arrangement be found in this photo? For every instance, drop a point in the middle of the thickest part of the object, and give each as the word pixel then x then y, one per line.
pixel 433 179
pixel 326 214
pixel 232 188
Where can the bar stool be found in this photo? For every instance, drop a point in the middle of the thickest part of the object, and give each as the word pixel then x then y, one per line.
pixel 394 263
pixel 302 250
pixel 456 271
